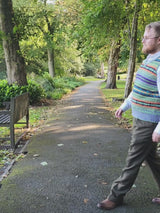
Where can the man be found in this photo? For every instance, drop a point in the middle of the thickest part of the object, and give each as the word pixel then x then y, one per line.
pixel 145 103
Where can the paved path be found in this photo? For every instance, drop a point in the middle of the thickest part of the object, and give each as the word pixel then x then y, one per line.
pixel 81 152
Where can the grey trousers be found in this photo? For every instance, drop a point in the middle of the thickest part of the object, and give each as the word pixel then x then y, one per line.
pixel 141 148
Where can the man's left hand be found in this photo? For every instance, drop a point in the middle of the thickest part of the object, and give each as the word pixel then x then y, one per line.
pixel 156 137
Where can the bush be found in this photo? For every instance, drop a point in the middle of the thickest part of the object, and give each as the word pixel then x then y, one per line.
pixel 8 91
pixel 35 91
pixel 48 83
pixel 57 94
pixel 67 82
pixel 41 87
pixel 89 69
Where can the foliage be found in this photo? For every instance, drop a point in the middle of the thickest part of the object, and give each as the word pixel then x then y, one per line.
pixel 62 86
pixel 100 21
pixel 80 32
pixel 40 88
pixel 44 26
pixel 8 91
pixel 89 69
pixel 55 88
pixel 6 157
pixel 36 92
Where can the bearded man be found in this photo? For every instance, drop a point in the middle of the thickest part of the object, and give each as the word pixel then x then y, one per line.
pixel 144 101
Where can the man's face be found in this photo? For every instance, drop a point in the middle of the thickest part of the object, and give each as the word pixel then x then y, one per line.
pixel 151 43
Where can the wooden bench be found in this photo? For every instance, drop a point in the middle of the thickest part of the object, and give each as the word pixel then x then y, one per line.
pixel 15 110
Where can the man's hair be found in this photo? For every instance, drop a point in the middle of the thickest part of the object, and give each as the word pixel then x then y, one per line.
pixel 155 26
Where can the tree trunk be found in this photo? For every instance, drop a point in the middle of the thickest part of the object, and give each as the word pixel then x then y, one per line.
pixel 14 61
pixel 132 55
pixel 112 65
pixel 102 70
pixel 51 62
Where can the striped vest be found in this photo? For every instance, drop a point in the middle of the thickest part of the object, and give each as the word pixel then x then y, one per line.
pixel 145 96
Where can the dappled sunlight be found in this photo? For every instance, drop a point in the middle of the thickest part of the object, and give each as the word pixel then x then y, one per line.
pixel 100 107
pixel 90 127
pixel 71 128
pixel 73 107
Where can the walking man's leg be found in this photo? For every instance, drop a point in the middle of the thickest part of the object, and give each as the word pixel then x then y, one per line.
pixel 140 147
pixel 153 160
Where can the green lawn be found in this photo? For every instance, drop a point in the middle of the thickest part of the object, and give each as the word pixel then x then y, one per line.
pixel 111 94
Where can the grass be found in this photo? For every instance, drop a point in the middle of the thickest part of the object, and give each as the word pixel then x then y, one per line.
pixel 91 78
pixel 38 116
pixel 111 94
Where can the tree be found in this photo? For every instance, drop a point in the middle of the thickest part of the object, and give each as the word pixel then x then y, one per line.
pixel 100 26
pixel 15 63
pixel 145 11
pixel 132 55
pixel 113 65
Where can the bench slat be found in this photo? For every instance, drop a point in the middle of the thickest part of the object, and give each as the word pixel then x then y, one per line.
pixel 4 119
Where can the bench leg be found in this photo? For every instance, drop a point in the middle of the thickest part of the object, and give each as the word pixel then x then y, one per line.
pixel 12 136
pixel 27 119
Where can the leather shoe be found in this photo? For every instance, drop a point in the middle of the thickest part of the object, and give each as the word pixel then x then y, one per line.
pixel 156 200
pixel 108 204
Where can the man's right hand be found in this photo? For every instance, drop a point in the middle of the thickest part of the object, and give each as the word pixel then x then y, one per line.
pixel 118 113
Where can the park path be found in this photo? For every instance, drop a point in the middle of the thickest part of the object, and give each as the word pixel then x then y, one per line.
pixel 72 161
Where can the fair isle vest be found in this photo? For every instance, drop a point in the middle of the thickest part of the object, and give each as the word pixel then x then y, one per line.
pixel 145 96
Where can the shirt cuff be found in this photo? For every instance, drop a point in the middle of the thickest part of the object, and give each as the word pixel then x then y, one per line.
pixel 157 129
pixel 127 103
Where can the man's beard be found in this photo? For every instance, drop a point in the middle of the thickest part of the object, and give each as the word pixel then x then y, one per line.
pixel 150 50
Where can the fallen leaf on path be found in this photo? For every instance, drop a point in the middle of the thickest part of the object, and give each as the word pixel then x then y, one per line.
pixel 84 142
pixel 61 144
pixel 104 183
pixel 86 201
pixel 21 156
pixel 92 113
pixel 44 163
pixel 36 155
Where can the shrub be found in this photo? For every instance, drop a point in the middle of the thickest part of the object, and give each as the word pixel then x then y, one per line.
pixel 48 83
pixel 8 91
pixel 35 91
pixel 57 94
pixel 41 87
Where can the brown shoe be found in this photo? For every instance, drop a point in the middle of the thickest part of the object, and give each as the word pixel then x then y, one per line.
pixel 156 200
pixel 108 204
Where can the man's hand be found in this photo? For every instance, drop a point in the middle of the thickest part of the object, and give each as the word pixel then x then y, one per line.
pixel 155 137
pixel 118 113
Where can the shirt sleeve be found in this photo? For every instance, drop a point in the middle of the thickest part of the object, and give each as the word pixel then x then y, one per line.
pixel 127 103
pixel 157 129
pixel 158 80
